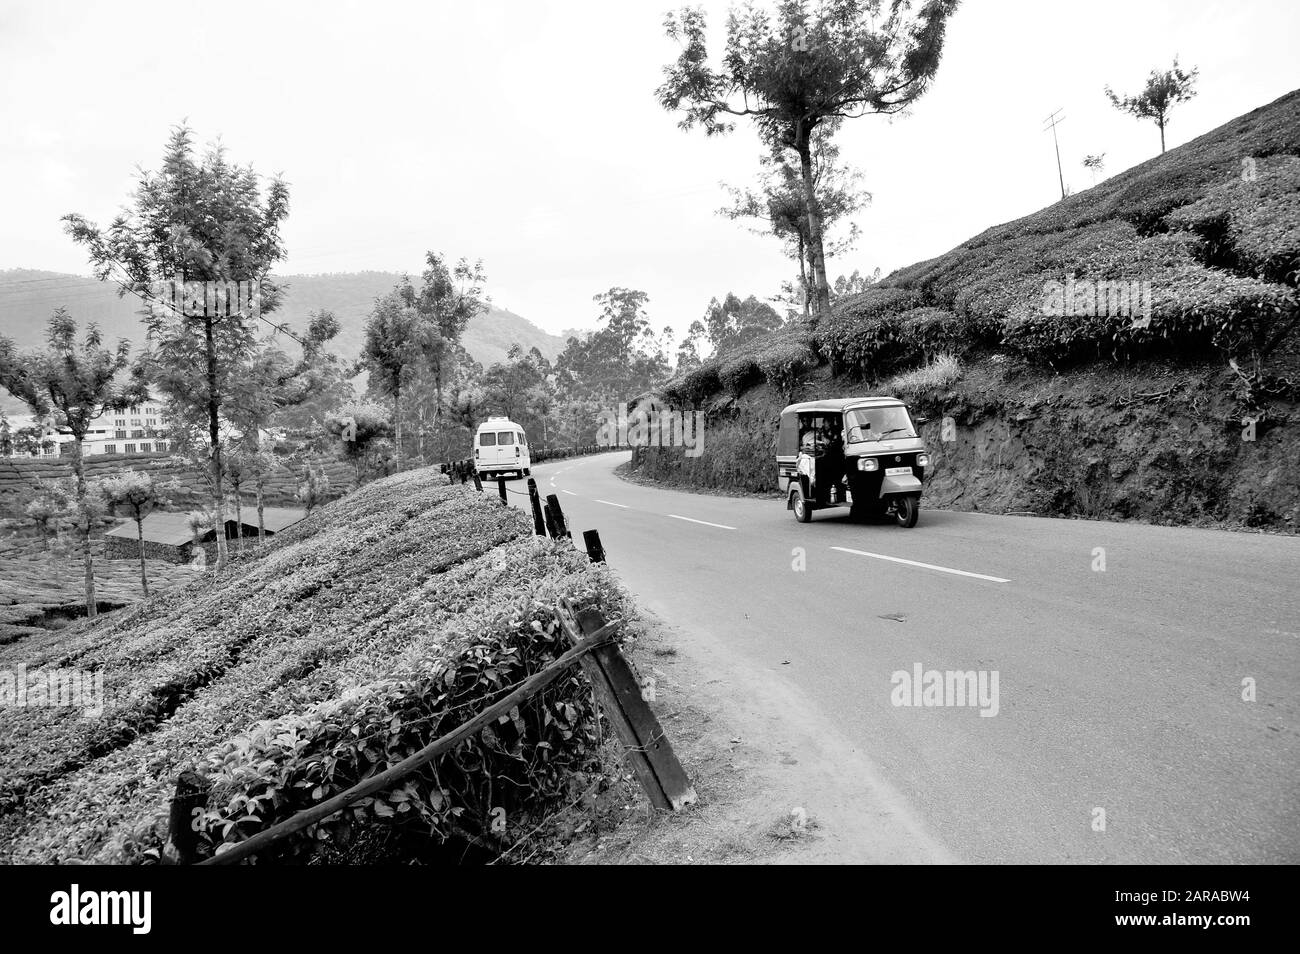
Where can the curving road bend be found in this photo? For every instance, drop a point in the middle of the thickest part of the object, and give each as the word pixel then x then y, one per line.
pixel 1119 690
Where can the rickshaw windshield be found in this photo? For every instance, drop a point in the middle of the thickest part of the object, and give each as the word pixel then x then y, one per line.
pixel 878 423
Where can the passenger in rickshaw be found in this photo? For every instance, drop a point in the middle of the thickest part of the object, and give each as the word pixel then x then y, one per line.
pixel 823 446
pixel 812 440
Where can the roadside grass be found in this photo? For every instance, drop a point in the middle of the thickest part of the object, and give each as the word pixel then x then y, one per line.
pixel 937 376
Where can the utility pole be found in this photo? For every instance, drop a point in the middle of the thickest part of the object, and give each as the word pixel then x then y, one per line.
pixel 1051 121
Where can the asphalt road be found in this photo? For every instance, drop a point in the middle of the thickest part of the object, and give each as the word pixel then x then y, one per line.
pixel 1118 689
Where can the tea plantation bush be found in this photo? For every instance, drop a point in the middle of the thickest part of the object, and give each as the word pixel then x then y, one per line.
pixel 785 356
pixel 695 386
pixel 1218 249
pixel 1251 225
pixel 378 624
pixel 737 373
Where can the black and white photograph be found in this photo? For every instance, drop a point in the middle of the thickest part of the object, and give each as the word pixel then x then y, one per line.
pixel 748 433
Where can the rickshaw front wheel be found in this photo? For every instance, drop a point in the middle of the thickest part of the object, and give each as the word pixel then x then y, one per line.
pixel 906 509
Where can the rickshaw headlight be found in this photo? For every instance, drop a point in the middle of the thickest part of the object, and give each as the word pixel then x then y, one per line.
pixel 922 460
pixel 868 463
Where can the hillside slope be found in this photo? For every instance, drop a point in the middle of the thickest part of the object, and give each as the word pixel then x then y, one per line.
pixel 1067 397
pixel 378 624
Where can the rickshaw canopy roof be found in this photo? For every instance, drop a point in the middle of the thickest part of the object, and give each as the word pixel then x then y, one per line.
pixel 838 405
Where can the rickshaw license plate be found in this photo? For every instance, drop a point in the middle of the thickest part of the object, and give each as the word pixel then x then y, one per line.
pixel 897 471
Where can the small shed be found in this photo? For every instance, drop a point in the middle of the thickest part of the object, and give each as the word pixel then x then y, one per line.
pixel 167 535
pixel 274 519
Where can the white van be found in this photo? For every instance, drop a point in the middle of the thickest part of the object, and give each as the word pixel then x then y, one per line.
pixel 500 445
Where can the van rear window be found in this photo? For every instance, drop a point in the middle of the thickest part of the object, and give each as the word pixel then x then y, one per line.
pixel 487 439
pixel 505 438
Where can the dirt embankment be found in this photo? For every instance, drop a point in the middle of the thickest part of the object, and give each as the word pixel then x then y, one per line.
pixel 1161 445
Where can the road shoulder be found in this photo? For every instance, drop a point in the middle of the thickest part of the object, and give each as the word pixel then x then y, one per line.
pixel 775 784
pixel 625 472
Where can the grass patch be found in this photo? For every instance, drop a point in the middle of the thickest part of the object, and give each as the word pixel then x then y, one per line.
pixel 933 378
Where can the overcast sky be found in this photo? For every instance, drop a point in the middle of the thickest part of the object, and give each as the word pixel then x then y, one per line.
pixel 527 133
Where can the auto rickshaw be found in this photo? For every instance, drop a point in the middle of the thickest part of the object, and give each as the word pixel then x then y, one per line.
pixel 860 453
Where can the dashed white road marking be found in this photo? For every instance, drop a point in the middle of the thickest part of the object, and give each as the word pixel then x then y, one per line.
pixel 926 566
pixel 720 526
pixel 611 503
pixel 569 492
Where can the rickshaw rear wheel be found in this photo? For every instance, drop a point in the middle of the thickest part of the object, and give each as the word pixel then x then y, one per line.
pixel 906 509
pixel 802 512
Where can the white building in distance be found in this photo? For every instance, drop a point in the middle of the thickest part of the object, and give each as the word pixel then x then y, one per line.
pixel 136 430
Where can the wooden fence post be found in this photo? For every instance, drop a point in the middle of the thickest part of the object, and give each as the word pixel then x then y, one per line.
pixel 478 484
pixel 539 527
pixel 623 701
pixel 591 538
pixel 561 529
pixel 501 487
pixel 191 793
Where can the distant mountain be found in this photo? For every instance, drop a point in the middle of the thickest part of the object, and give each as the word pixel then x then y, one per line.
pixel 350 296
pixel 28 297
